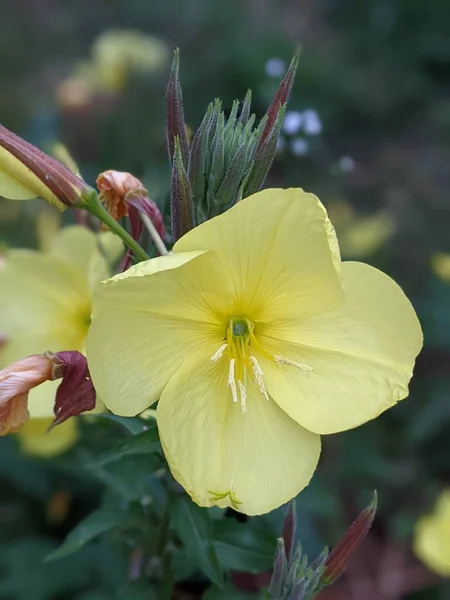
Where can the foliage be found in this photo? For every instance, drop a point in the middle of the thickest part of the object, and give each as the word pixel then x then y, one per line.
pixel 377 75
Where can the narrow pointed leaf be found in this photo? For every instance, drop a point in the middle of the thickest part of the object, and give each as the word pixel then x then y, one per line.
pixel 193 526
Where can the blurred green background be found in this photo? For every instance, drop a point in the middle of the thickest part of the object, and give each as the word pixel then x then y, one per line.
pixel 367 130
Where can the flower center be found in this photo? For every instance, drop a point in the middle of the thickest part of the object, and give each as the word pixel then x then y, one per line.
pixel 240 347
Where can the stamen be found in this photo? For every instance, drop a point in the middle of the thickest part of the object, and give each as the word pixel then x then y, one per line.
pixel 243 396
pixel 232 381
pixel 218 355
pixel 282 360
pixel 258 375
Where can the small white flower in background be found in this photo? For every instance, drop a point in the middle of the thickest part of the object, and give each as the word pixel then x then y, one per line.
pixel 292 122
pixel 275 67
pixel 299 146
pixel 346 163
pixel 312 124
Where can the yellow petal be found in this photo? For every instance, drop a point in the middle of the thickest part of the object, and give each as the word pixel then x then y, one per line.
pixel 17 182
pixel 252 461
pixel 279 252
pixel 80 248
pixel 432 537
pixel 35 440
pixel 146 322
pixel 44 297
pixel 362 355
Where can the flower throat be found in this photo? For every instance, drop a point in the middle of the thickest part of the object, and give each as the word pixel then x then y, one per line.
pixel 240 347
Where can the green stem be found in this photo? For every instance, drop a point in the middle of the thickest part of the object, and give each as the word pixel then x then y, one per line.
pixel 95 207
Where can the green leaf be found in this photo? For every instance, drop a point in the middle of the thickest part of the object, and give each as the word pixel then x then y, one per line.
pixel 95 524
pixel 239 548
pixel 145 442
pixel 194 528
pixel 130 475
pixel 132 424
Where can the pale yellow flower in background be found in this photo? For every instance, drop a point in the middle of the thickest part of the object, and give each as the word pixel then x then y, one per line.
pixel 256 340
pixel 35 439
pixel 117 54
pixel 432 537
pixel 440 265
pixel 45 305
pixel 360 237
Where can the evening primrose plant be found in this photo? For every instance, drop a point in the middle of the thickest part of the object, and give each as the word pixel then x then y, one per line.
pixel 249 339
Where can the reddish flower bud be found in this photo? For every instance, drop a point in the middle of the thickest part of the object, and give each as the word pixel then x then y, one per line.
pixel 175 124
pixel 289 529
pixel 16 381
pixel 352 538
pixel 281 98
pixel 26 172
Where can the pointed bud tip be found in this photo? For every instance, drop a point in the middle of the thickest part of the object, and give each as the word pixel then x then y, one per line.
pixel 352 538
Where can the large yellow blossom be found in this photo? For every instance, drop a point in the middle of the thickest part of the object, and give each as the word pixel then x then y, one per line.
pixel 45 305
pixel 256 340
pixel 432 537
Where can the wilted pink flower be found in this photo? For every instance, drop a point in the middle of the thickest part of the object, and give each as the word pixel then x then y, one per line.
pixel 75 394
pixel 16 381
pixel 124 195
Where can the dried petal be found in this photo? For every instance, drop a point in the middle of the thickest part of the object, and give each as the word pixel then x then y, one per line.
pixel 113 187
pixel 16 381
pixel 76 393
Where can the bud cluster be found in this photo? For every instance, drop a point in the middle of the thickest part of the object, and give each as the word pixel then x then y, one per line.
pixel 228 158
pixel 293 578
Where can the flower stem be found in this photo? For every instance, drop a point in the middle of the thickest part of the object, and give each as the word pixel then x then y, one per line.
pixel 95 207
pixel 160 246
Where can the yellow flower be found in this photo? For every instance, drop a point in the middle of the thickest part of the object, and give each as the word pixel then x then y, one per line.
pixel 360 236
pixel 256 340
pixel 35 438
pixel 119 52
pixel 45 305
pixel 432 537
pixel 440 265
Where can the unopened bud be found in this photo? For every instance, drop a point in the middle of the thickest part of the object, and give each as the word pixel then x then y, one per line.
pixel 175 124
pixel 289 529
pixel 181 207
pixel 280 569
pixel 26 172
pixel 338 558
pixel 16 381
pixel 269 132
